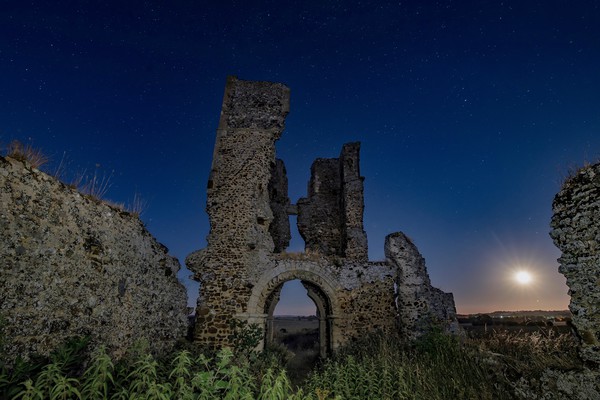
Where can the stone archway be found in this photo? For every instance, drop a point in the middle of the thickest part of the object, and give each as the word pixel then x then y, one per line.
pixel 324 314
pixel 321 289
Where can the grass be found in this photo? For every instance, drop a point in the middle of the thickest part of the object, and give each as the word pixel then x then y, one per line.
pixel 381 367
pixel 26 153
pixel 375 367
pixel 94 186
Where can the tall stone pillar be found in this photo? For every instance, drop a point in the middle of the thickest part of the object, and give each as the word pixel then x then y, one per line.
pixel 238 203
pixel 355 238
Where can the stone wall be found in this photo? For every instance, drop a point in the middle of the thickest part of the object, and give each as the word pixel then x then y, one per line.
pixel 419 304
pixel 71 265
pixel 243 267
pixel 576 232
pixel 238 203
pixel 280 206
pixel 330 219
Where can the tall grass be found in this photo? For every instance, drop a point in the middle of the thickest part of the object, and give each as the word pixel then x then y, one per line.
pixel 26 153
pixel 375 367
pixel 519 354
pixel 382 367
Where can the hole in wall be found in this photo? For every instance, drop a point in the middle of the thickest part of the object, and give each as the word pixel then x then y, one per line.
pixel 296 242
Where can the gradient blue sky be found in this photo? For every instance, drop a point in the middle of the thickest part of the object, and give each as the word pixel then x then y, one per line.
pixel 470 115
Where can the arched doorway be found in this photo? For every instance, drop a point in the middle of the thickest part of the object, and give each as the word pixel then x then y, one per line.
pixel 323 315
pixel 321 288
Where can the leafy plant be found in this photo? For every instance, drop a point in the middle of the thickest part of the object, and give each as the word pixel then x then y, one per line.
pixel 98 378
pixel 245 338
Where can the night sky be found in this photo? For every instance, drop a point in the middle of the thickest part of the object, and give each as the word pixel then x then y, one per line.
pixel 470 114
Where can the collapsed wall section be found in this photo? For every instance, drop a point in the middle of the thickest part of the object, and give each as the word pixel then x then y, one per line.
pixel 319 215
pixel 576 232
pixel 420 305
pixel 72 265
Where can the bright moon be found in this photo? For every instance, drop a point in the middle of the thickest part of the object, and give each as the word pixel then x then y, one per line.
pixel 523 277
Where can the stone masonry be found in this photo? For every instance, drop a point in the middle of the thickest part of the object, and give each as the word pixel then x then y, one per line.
pixel 576 232
pixel 71 265
pixel 244 265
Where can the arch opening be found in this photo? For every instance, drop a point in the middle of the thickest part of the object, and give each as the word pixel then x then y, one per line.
pixel 285 324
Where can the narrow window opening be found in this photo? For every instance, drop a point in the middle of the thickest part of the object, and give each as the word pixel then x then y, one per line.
pixel 296 242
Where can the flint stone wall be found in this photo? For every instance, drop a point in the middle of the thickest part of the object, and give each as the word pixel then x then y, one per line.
pixel 238 203
pixel 70 265
pixel 330 219
pixel 243 267
pixel 420 305
pixel 576 232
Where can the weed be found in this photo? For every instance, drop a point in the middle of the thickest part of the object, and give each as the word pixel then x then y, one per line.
pixel 138 205
pixel 94 186
pixel 26 153
pixel 245 339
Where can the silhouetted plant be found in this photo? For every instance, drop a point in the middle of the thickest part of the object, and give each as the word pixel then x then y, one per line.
pixel 26 153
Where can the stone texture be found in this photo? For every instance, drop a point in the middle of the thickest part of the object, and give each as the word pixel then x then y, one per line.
pixel 576 232
pixel 354 237
pixel 238 202
pixel 280 205
pixel 244 265
pixel 330 219
pixel 72 265
pixel 560 385
pixel 419 304
pixel 320 215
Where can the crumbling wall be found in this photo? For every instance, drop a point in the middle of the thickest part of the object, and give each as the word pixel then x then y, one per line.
pixel 280 204
pixel 238 203
pixel 330 219
pixel 367 300
pixel 354 237
pixel 243 266
pixel 419 304
pixel 71 265
pixel 320 215
pixel 576 232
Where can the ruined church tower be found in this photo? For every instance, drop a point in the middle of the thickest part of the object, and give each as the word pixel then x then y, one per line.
pixel 244 265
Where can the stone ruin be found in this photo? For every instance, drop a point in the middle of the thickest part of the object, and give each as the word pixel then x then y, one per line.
pixel 243 267
pixel 72 265
pixel 576 232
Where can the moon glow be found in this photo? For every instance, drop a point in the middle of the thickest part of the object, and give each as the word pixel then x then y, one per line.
pixel 523 277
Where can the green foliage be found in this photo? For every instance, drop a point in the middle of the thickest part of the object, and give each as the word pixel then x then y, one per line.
pixel 98 378
pixel 245 338
pixel 375 367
